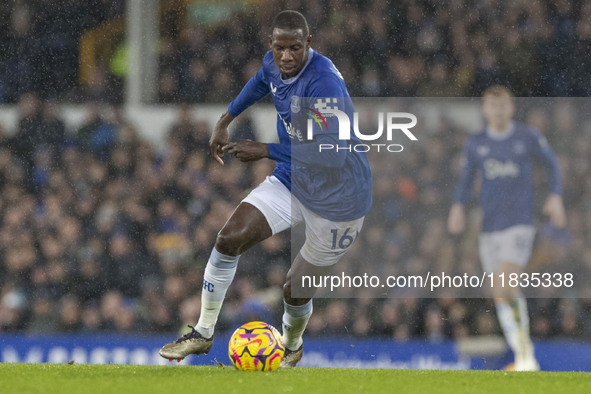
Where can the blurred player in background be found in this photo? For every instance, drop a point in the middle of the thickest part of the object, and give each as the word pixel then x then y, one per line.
pixel 330 192
pixel 504 153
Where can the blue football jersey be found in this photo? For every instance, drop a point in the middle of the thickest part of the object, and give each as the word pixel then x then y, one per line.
pixel 338 192
pixel 506 164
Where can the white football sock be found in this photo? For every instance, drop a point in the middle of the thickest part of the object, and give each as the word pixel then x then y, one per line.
pixel 514 321
pixel 527 348
pixel 295 320
pixel 219 272
pixel 508 322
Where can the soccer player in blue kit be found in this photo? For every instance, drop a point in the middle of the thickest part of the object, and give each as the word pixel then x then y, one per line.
pixel 330 192
pixel 504 153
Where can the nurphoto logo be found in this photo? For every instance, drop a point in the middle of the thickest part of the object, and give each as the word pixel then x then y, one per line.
pixel 395 122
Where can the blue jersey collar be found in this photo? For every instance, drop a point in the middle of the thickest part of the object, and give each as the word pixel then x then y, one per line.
pixel 502 136
pixel 295 77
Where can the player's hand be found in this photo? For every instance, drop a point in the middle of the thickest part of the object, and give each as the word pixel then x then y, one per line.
pixel 554 208
pixel 220 137
pixel 456 222
pixel 247 150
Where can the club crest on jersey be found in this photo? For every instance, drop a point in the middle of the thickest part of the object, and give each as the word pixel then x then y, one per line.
pixel 483 150
pixel 519 148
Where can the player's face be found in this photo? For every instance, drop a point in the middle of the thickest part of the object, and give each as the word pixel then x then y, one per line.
pixel 290 50
pixel 498 111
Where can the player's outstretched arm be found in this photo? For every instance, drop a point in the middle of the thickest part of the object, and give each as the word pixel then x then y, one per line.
pixel 554 208
pixel 220 137
pixel 254 90
pixel 456 222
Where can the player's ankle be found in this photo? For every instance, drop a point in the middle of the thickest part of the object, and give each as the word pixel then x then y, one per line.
pixel 293 344
pixel 205 332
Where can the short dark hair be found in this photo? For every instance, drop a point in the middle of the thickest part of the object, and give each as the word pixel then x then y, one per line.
pixel 291 20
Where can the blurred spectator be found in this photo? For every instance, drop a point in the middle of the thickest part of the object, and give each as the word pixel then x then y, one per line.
pixel 29 134
pixel 92 122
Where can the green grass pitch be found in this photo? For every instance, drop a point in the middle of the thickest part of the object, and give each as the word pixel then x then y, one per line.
pixel 128 379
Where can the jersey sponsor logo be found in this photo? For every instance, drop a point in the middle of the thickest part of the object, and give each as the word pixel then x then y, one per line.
pixel 498 169
pixel 291 131
pixel 273 88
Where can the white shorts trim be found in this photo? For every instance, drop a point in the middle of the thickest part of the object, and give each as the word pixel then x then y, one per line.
pixel 326 241
pixel 511 245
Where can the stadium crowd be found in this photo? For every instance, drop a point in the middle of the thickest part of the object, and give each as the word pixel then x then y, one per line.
pixel 99 232
pixel 39 46
pixel 398 48
pixel 382 47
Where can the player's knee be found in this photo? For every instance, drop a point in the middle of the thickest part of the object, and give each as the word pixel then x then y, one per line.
pixel 291 300
pixel 287 294
pixel 287 291
pixel 229 242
